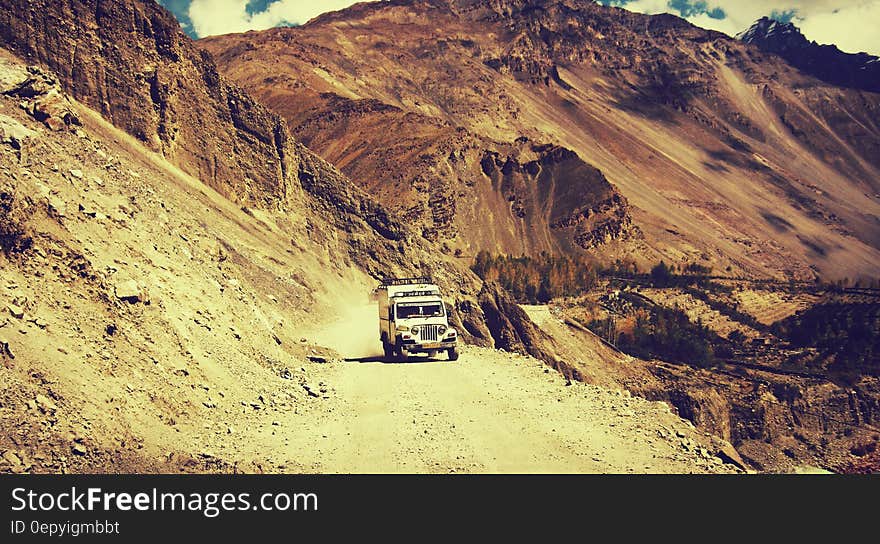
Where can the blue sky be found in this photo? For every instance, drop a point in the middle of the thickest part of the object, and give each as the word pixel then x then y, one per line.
pixel 852 25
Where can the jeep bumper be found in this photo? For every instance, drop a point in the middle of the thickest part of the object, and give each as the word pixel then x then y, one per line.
pixel 411 346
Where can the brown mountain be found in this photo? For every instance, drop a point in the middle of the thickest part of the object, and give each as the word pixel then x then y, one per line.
pixel 129 61
pixel 170 253
pixel 520 126
pixel 137 70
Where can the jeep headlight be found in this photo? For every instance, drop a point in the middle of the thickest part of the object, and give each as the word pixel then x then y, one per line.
pixel 414 330
pixel 441 329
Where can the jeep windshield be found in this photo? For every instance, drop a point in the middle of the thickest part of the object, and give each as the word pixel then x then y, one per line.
pixel 419 309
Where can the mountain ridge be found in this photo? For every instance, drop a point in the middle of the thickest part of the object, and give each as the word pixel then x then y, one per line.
pixel 684 123
pixel 826 62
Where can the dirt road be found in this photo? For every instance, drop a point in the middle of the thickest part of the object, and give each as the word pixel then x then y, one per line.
pixel 488 412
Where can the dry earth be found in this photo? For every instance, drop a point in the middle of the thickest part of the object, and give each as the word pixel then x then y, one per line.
pixel 490 412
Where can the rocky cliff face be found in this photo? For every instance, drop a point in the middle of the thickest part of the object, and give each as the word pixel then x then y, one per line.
pixel 443 179
pixel 699 135
pixel 130 61
pixel 826 62
pixel 775 422
pixel 554 188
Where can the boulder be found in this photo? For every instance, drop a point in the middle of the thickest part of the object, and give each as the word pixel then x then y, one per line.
pixel 53 109
pixel 54 124
pixel 128 290
pixel 13 133
pixel 16 311
pixel 45 404
pixel 56 206
pixel 44 100
pixel 12 76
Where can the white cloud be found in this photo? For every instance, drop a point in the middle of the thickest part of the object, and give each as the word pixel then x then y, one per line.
pixel 726 25
pixel 853 27
pixel 647 6
pixel 212 17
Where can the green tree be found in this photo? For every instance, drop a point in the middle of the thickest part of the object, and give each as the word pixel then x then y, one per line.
pixel 661 274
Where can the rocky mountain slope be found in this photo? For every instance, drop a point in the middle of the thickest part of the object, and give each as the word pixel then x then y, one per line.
pixel 709 150
pixel 777 421
pixel 136 68
pixel 826 62
pixel 168 248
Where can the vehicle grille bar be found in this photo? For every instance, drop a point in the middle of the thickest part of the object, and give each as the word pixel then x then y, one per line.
pixel 430 333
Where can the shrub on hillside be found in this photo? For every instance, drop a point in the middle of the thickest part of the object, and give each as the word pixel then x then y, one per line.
pixel 539 279
pixel 13 234
pixel 667 333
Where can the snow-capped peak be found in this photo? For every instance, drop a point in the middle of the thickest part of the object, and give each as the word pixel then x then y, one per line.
pixel 766 27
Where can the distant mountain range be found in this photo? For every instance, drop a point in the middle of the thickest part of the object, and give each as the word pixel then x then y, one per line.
pixel 826 62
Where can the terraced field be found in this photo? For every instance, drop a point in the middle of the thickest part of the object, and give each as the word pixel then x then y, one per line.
pixel 697 310
pixel 768 307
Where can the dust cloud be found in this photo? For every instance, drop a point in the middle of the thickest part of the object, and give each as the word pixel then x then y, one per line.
pixel 354 333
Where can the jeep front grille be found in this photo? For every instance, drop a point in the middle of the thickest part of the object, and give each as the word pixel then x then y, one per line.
pixel 430 333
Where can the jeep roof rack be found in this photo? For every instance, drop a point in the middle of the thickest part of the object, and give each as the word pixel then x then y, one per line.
pixel 405 281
